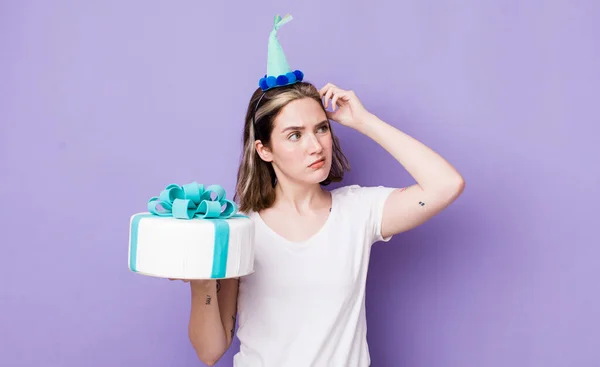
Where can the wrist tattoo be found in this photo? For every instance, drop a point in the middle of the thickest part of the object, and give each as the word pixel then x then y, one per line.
pixel 218 285
pixel 208 299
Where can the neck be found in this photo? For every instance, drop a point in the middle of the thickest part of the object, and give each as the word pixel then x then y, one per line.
pixel 301 198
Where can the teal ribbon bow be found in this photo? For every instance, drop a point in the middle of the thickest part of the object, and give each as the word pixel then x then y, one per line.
pixel 192 200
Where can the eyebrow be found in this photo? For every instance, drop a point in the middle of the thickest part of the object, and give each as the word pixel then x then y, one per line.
pixel 302 127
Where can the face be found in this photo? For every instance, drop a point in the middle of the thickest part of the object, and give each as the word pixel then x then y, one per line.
pixel 301 143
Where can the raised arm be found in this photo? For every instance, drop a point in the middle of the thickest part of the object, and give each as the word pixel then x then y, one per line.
pixel 212 319
pixel 438 182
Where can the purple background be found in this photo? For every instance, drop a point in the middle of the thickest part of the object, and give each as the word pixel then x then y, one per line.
pixel 104 103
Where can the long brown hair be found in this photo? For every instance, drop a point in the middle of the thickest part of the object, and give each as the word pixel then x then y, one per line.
pixel 256 179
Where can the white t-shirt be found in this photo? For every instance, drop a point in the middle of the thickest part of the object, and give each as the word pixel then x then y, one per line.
pixel 304 305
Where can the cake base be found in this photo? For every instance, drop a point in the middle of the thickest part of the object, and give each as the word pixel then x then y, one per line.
pixel 168 247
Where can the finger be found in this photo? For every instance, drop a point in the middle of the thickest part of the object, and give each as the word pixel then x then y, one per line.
pixel 342 98
pixel 328 96
pixel 334 101
pixel 325 88
pixel 339 99
pixel 323 93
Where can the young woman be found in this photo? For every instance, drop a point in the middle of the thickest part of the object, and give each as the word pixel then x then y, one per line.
pixel 305 303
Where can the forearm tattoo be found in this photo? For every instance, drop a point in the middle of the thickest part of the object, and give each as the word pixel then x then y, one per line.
pixel 208 298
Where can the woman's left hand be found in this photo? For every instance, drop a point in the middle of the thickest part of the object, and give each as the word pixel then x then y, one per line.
pixel 346 107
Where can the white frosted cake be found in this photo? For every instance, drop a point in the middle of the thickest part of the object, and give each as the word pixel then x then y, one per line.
pixel 193 236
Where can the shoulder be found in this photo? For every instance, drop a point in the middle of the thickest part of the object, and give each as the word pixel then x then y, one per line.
pixel 368 193
pixel 347 191
pixel 368 200
pixel 362 208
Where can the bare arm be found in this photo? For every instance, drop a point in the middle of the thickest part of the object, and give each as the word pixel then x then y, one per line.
pixel 438 182
pixel 212 318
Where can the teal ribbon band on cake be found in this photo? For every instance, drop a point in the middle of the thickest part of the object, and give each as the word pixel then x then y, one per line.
pixel 135 224
pixel 187 202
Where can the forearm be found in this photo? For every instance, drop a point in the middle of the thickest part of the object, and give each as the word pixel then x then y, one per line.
pixel 206 330
pixel 429 169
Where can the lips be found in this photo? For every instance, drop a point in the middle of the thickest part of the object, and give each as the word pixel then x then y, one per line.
pixel 317 163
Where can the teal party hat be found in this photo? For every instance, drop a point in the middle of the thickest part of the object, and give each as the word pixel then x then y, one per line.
pixel 279 72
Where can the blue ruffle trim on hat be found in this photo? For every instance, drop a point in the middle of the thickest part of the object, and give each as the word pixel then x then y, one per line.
pixel 268 82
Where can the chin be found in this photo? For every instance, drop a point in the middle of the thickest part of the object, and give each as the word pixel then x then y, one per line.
pixel 318 179
pixel 320 175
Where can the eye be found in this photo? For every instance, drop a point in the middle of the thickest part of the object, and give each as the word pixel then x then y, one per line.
pixel 294 136
pixel 323 128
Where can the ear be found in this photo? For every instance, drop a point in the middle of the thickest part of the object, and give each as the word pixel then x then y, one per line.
pixel 263 152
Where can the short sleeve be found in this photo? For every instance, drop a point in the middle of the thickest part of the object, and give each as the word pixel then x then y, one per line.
pixel 367 204
pixel 373 198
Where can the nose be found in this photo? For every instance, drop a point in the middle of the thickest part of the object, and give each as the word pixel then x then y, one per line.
pixel 315 145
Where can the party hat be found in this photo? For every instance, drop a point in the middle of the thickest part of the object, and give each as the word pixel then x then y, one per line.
pixel 279 72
